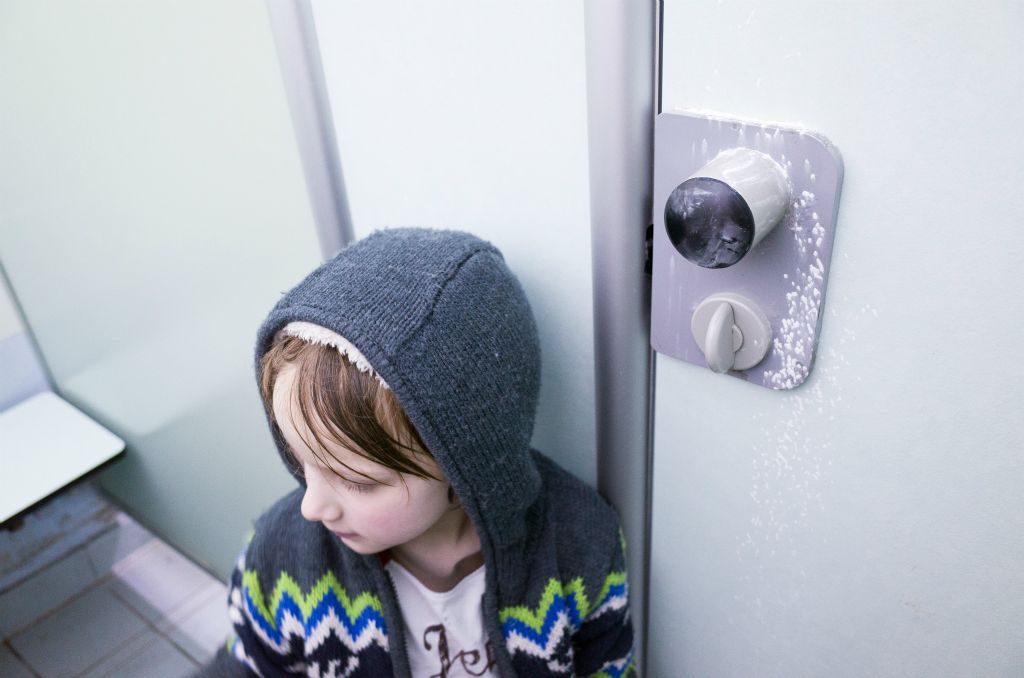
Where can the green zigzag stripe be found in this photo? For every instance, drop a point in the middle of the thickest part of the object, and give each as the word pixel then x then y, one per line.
pixel 535 618
pixel 306 602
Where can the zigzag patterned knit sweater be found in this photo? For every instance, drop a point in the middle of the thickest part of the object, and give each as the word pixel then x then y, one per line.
pixel 444 322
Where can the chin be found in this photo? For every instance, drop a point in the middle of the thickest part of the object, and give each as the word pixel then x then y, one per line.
pixel 363 548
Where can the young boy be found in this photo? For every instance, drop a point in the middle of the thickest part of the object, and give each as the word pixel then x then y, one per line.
pixel 426 539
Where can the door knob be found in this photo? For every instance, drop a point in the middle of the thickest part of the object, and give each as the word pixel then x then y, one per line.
pixel 726 207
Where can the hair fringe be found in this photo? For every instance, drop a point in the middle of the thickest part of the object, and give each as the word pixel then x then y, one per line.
pixel 339 403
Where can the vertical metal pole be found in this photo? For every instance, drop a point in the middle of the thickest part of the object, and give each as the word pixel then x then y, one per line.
pixel 299 55
pixel 621 47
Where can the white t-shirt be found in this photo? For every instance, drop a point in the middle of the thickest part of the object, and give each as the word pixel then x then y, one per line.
pixel 444 631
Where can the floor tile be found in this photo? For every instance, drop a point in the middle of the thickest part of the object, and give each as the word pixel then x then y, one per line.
pixel 53 530
pixel 10 666
pixel 202 626
pixel 45 591
pixel 78 635
pixel 125 653
pixel 117 544
pixel 149 655
pixel 155 580
pixel 90 589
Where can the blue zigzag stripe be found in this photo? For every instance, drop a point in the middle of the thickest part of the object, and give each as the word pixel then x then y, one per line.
pixel 562 609
pixel 611 671
pixel 328 603
pixel 615 590
pixel 558 605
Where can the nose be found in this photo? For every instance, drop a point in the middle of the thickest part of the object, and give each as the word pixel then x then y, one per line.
pixel 320 503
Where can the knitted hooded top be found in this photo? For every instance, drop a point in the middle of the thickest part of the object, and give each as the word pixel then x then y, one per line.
pixel 444 322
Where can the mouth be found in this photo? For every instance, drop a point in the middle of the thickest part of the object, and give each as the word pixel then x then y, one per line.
pixel 344 535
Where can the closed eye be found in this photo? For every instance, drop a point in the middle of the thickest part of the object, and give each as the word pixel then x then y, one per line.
pixel 359 487
pixel 329 473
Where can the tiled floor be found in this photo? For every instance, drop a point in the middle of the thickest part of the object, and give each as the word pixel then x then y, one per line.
pixel 86 591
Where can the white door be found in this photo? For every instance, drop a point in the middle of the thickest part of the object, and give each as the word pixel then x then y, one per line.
pixel 870 522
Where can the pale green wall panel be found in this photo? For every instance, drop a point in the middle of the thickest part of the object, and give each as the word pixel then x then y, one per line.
pixel 10 322
pixel 152 209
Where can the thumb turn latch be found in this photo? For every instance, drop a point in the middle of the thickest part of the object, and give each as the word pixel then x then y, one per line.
pixel 732 331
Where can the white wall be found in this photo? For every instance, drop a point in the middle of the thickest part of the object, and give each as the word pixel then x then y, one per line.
pixel 870 523
pixel 472 115
pixel 152 209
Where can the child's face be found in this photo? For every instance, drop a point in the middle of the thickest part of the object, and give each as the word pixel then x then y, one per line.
pixel 369 516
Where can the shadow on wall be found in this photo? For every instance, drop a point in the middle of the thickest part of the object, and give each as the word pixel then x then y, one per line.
pixel 24 374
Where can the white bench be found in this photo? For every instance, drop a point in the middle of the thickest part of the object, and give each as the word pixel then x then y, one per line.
pixel 46 444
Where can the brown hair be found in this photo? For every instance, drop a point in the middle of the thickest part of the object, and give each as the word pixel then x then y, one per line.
pixel 344 405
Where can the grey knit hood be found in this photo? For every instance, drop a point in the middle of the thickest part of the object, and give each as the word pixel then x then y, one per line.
pixel 444 322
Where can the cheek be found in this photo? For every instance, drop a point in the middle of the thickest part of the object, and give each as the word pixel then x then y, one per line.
pixel 406 514
pixel 396 526
pixel 429 497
